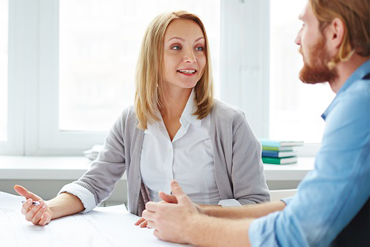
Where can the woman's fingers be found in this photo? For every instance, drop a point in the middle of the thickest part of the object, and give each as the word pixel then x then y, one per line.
pixel 26 206
pixel 33 211
pixel 37 217
pixel 37 214
pixel 27 194
pixel 144 224
pixel 45 219
pixel 141 220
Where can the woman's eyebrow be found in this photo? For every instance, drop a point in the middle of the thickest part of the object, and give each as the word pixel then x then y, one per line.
pixel 198 39
pixel 176 38
pixel 184 40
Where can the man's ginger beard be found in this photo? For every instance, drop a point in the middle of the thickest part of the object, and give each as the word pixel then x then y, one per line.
pixel 318 71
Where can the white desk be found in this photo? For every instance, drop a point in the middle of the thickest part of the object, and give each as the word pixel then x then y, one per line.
pixel 62 168
pixel 103 227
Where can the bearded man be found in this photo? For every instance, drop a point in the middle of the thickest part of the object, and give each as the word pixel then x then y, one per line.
pixel 331 207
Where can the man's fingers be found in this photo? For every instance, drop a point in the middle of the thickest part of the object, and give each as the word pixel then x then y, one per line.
pixel 151 224
pixel 167 198
pixel 148 215
pixel 24 192
pixel 151 206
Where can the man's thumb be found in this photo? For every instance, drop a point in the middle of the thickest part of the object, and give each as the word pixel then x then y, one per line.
pixel 24 192
pixel 176 190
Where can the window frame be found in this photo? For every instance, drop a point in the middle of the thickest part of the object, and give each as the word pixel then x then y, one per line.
pixel 33 76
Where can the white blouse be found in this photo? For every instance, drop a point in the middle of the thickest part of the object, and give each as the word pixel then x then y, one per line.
pixel 188 158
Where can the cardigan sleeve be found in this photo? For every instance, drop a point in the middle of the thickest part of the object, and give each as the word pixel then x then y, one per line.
pixel 248 179
pixel 105 171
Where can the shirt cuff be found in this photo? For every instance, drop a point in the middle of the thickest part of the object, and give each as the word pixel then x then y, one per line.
pixel 229 203
pixel 87 198
pixel 287 200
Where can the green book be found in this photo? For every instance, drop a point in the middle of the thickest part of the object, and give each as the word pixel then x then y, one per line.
pixel 268 148
pixel 279 161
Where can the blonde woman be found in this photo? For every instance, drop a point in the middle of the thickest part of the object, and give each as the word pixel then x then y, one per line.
pixel 175 130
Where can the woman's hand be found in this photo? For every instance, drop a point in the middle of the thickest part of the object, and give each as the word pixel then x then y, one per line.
pixel 37 214
pixel 142 223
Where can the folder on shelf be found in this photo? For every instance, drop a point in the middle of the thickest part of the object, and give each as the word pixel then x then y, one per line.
pixel 279 161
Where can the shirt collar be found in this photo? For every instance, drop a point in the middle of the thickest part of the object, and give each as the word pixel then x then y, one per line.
pixel 190 108
pixel 360 73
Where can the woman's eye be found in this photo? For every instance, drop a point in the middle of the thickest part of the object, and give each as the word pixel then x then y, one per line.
pixel 176 47
pixel 199 48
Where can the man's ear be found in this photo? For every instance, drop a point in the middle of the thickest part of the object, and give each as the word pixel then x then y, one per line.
pixel 335 33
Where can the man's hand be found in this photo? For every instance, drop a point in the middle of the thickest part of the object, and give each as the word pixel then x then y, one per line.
pixel 172 199
pixel 169 219
pixel 142 222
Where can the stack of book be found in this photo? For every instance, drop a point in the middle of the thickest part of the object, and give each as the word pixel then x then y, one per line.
pixel 279 152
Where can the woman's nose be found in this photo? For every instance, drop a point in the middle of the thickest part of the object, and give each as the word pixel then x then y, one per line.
pixel 189 57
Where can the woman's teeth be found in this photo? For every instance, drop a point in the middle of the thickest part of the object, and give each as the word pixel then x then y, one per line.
pixel 187 71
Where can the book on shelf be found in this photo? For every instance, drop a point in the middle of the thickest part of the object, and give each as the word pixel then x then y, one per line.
pixel 279 161
pixel 278 154
pixel 277 148
pixel 277 143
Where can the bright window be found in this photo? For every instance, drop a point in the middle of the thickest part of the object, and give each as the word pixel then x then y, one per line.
pixel 99 43
pixel 295 108
pixel 3 69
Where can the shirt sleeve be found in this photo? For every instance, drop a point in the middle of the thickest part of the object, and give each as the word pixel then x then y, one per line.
pixel 229 203
pixel 334 192
pixel 86 197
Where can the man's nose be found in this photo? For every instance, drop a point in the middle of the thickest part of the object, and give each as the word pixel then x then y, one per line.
pixel 298 38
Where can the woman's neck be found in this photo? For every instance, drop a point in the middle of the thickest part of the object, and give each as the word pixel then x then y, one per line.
pixel 175 102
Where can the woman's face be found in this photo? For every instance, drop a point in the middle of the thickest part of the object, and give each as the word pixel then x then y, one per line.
pixel 184 54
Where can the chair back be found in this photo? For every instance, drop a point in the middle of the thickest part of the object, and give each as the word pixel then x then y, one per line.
pixel 276 195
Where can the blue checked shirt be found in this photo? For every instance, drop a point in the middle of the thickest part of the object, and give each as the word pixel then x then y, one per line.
pixel 339 186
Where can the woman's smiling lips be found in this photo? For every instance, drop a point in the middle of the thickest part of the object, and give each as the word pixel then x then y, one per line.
pixel 187 72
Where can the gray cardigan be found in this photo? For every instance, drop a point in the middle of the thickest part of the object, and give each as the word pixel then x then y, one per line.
pixel 237 159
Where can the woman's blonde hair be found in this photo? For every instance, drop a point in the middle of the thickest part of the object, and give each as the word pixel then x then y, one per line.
pixel 149 80
pixel 355 15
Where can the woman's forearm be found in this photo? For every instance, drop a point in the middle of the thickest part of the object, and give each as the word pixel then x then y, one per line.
pixel 64 204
